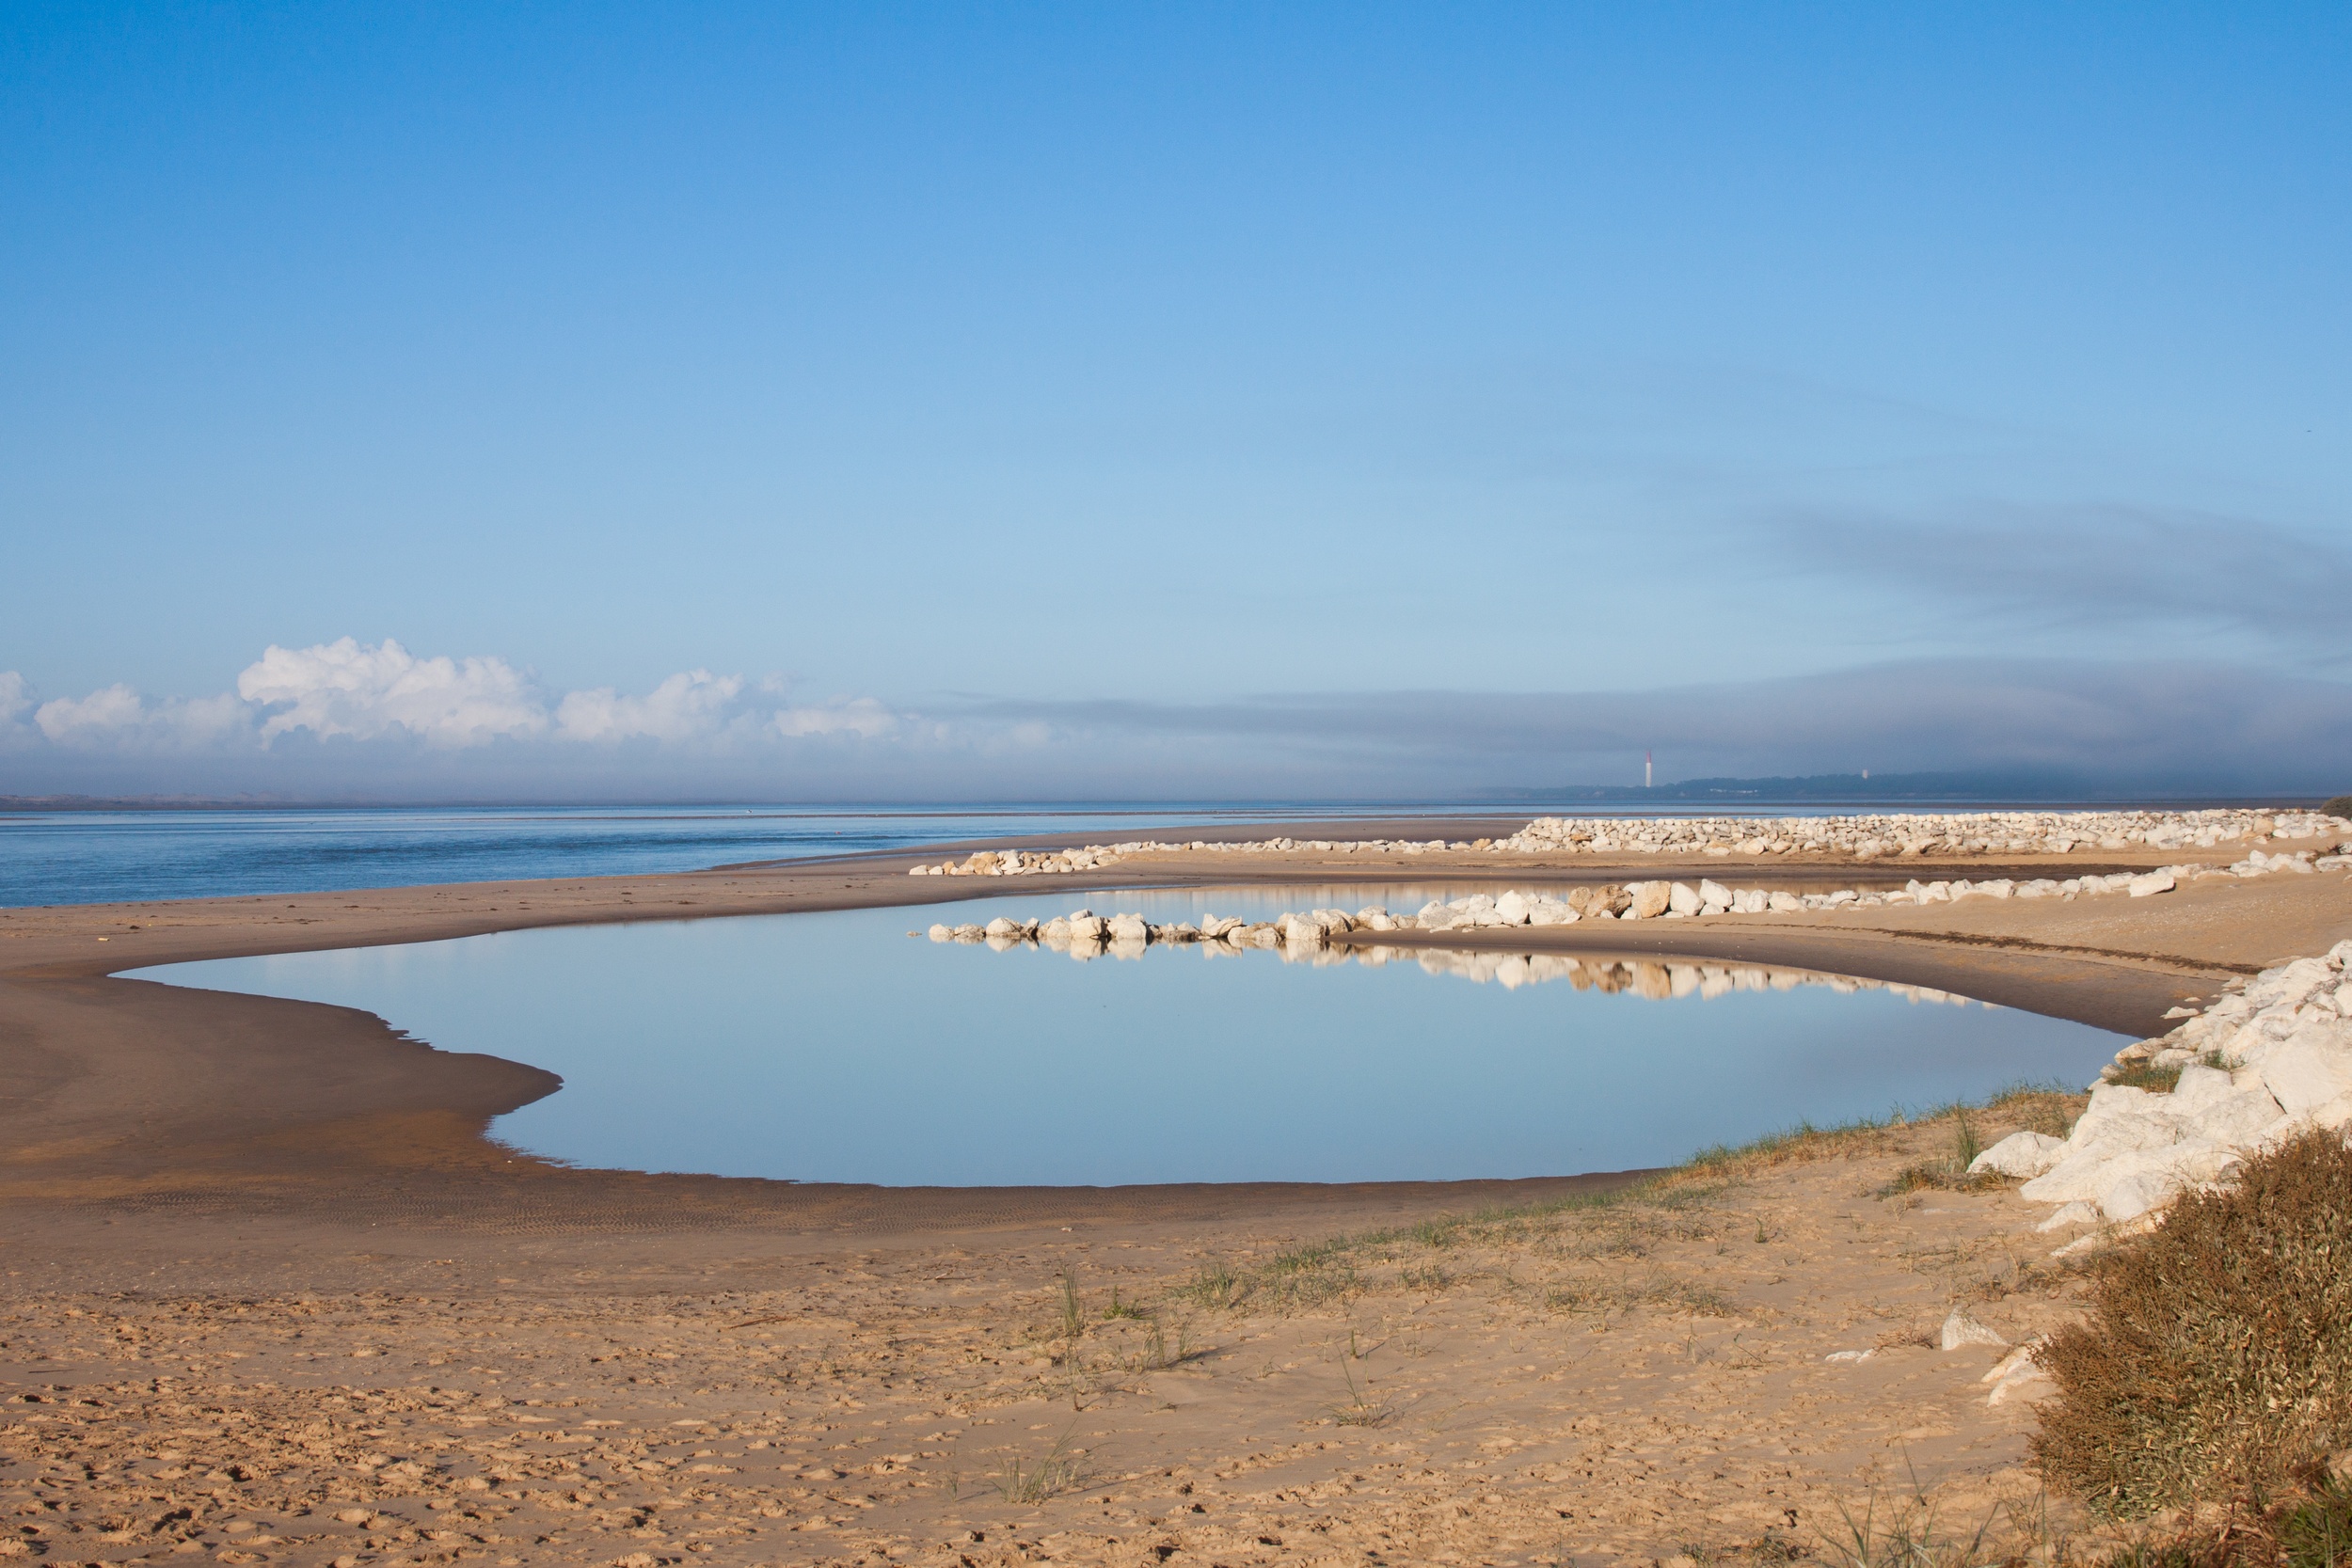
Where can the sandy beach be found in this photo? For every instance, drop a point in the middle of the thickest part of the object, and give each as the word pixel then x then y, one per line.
pixel 271 1294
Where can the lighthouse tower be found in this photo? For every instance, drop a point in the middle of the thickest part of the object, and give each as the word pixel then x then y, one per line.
pixel 1647 781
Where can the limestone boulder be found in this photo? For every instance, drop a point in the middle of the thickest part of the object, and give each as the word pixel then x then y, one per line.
pixel 1302 931
pixel 2022 1155
pixel 2306 1070
pixel 1682 898
pixel 1961 1329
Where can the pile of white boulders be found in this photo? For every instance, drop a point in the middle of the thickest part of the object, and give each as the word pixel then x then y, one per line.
pixel 1652 900
pixel 1864 837
pixel 2012 832
pixel 2267 1059
pixel 1028 862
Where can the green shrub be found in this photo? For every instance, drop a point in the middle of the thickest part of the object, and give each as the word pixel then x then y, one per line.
pixel 2319 1532
pixel 2216 1363
pixel 2340 806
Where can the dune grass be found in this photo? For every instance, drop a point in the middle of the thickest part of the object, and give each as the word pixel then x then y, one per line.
pixel 1410 1256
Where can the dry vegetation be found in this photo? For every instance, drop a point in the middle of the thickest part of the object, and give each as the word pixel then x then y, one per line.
pixel 2213 1372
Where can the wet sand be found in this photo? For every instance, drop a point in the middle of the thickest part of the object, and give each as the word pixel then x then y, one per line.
pixel 262 1269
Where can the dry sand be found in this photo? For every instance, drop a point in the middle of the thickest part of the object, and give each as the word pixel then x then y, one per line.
pixel 270 1296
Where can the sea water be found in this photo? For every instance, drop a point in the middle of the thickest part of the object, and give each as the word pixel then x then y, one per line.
pixel 85 857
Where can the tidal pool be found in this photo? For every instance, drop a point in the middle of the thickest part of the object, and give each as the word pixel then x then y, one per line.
pixel 829 1047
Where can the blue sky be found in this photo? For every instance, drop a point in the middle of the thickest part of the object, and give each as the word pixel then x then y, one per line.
pixel 952 378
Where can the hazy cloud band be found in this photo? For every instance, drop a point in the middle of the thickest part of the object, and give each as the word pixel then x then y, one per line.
pixel 346 719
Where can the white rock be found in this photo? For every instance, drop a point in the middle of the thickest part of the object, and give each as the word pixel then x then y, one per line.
pixel 1300 931
pixel 1684 899
pixel 1715 892
pixel 1961 1329
pixel 2241 1118
pixel 2152 881
pixel 2015 1375
pixel 2021 1154
pixel 2336 1115
pixel 2198 1087
pixel 2307 1069
pixel 1783 903
pixel 2077 1212
pixel 943 933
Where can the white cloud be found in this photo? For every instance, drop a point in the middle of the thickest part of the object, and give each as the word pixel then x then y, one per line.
pixel 103 712
pixel 345 688
pixel 16 707
pixel 684 708
pixel 117 718
pixel 381 693
pixel 862 716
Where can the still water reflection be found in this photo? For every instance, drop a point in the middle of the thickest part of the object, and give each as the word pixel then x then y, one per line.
pixel 829 1047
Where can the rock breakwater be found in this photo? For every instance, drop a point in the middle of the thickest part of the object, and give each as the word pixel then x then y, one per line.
pixel 2267 1059
pixel 1867 838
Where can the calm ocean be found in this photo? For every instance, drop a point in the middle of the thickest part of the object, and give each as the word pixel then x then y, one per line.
pixel 95 857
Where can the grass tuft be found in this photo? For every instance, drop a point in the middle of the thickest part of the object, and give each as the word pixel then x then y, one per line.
pixel 1057 1470
pixel 2144 1075
pixel 2317 1533
pixel 1904 1532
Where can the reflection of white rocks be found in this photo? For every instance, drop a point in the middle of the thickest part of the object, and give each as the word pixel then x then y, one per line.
pixel 1867 838
pixel 2267 1060
pixel 1306 938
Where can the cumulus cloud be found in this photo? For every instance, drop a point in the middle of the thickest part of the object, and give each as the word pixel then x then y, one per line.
pixel 117 718
pixel 382 696
pixel 346 689
pixel 16 706
pixel 683 707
